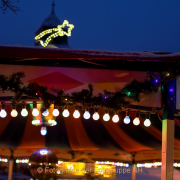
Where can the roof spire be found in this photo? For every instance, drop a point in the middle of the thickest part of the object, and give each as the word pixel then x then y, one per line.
pixel 53 4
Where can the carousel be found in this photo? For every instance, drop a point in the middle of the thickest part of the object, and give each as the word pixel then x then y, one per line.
pixel 80 122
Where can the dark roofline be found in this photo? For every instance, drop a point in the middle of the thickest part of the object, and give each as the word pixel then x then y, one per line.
pixel 57 53
pixel 56 57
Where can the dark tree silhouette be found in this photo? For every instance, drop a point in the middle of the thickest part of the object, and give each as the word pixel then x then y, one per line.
pixel 8 4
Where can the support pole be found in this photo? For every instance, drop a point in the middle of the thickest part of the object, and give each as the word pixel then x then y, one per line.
pixel 168 93
pixel 133 172
pixel 10 171
pixel 133 167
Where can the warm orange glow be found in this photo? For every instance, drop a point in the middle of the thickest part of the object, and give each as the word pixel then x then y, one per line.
pixel 71 168
pixel 105 170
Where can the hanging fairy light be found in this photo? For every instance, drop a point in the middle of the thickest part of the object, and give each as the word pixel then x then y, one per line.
pixel 86 114
pixel 95 115
pixel 45 113
pixel 52 122
pixel 55 112
pixel 35 111
pixel 43 130
pixel 65 112
pixel 76 114
pixel 147 121
pixel 3 113
pixel 127 118
pixel 24 111
pixel 106 117
pixel 136 121
pixel 14 113
pixel 115 118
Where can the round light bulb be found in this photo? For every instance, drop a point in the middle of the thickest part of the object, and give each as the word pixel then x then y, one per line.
pixel 65 113
pixel 45 113
pixel 43 131
pixel 3 113
pixel 96 116
pixel 127 120
pixel 136 121
pixel 35 112
pixel 115 118
pixel 147 123
pixel 24 112
pixel 55 112
pixel 106 117
pixel 86 115
pixel 14 113
pixel 76 114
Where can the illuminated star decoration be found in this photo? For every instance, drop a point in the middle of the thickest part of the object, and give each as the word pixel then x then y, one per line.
pixel 54 33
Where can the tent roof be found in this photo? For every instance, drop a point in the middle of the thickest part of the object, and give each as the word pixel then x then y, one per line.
pixel 85 137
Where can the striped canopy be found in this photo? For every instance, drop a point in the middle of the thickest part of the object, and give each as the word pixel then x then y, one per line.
pixel 98 140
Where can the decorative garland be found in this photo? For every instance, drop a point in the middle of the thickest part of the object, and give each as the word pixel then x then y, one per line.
pixel 109 100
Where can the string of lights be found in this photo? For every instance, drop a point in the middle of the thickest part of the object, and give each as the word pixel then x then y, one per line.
pixel 121 164
pixel 154 164
pixel 113 163
pixel 3 160
pixel 112 102
pixel 76 114
pixel 65 113
pixel 22 160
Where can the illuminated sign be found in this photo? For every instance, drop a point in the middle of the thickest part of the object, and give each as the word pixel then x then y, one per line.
pixel 55 32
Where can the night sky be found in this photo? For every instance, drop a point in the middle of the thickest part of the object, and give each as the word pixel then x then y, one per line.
pixel 115 25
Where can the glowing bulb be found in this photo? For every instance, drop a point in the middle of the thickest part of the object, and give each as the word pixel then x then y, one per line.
pixel 147 123
pixel 127 120
pixel 96 116
pixel 45 113
pixel 43 152
pixel 14 113
pixel 24 112
pixel 43 131
pixel 3 113
pixel 136 121
pixel 35 112
pixel 65 113
pixel 76 114
pixel 115 118
pixel 55 112
pixel 106 117
pixel 86 115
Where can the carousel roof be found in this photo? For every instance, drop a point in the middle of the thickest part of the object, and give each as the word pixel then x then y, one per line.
pixel 95 139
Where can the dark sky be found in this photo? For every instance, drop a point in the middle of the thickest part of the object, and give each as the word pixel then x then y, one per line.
pixel 116 25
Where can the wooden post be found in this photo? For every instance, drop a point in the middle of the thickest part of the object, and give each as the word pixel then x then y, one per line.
pixel 10 171
pixel 133 177
pixel 133 172
pixel 169 100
